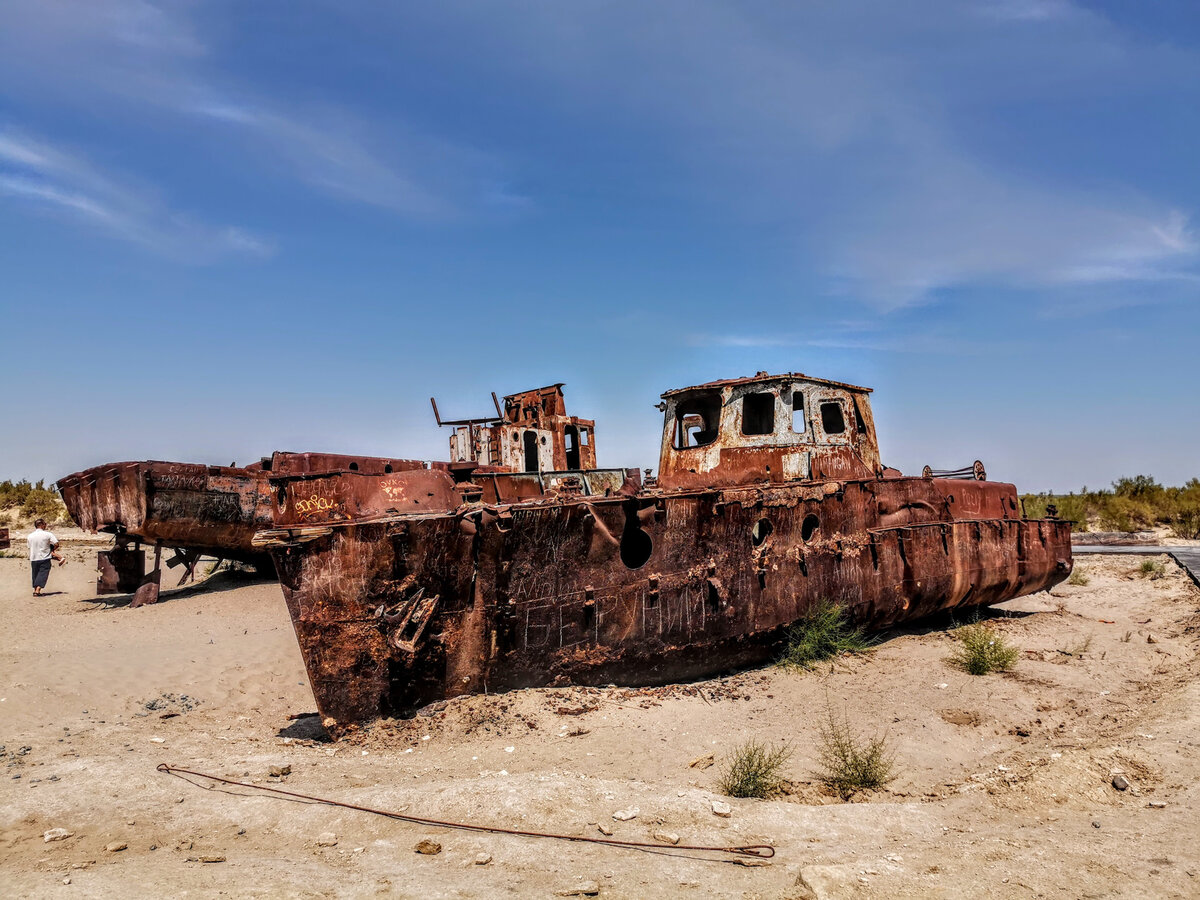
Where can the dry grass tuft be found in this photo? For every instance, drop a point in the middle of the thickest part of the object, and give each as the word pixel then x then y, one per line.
pixel 982 650
pixel 848 764
pixel 753 770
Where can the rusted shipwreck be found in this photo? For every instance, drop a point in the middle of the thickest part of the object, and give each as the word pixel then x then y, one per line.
pixel 510 568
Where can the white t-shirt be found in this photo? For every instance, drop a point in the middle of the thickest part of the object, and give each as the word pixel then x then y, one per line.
pixel 41 542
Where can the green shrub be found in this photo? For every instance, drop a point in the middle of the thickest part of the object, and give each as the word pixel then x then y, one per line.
pixel 823 633
pixel 982 650
pixel 753 770
pixel 848 764
pixel 1078 577
pixel 1152 569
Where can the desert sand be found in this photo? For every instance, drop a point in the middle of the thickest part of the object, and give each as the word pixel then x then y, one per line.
pixel 1005 784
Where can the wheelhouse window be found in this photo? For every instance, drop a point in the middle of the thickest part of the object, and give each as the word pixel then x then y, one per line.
pixel 697 419
pixel 833 419
pixel 758 414
pixel 799 422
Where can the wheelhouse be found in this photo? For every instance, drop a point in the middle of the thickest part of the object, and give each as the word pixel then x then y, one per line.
pixel 770 428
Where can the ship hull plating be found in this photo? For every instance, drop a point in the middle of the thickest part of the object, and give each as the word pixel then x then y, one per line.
pixel 657 587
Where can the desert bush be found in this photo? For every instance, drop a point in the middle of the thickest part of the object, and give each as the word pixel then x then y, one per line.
pixel 754 770
pixel 1152 569
pixel 1078 577
pixel 824 633
pixel 982 650
pixel 42 505
pixel 847 764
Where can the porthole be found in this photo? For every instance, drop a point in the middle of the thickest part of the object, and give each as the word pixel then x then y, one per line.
pixel 636 547
pixel 809 527
pixel 761 531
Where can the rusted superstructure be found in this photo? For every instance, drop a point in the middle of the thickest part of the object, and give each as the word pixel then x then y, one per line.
pixel 770 497
pixel 529 447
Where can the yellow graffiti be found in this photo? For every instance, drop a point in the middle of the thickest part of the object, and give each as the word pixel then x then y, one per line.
pixel 393 489
pixel 315 504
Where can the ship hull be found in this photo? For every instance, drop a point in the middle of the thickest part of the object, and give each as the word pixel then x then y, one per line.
pixel 653 588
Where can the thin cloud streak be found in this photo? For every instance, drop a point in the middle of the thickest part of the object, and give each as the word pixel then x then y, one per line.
pixel 758 99
pixel 49 179
pixel 143 55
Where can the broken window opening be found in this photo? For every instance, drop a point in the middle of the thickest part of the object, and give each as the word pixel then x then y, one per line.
pixel 833 420
pixel 531 451
pixel 583 437
pixel 859 426
pixel 697 420
pixel 758 414
pixel 799 423
pixel 571 441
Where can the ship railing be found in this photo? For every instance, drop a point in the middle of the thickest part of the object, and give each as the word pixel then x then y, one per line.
pixel 973 472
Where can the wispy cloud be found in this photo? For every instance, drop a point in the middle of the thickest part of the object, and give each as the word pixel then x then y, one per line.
pixel 846 120
pixel 51 180
pixel 152 58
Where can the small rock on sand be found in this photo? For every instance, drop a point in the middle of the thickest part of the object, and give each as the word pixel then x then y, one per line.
pixel 482 859
pixel 702 762
pixel 722 809
pixel 56 834
pixel 1120 782
pixel 1157 804
pixel 666 837
pixel 604 829
pixel 624 815
pixel 428 847
pixel 279 771
pixel 583 889
pixel 327 839
pixel 116 846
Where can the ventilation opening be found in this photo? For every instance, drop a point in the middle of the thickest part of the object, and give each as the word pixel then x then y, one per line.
pixel 809 527
pixel 761 531
pixel 589 616
pixel 387 469
pixel 758 414
pixel 833 421
pixel 353 467
pixel 636 544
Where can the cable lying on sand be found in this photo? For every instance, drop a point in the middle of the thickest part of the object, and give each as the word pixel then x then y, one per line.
pixel 756 851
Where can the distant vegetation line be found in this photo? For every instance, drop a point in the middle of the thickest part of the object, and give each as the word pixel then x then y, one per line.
pixel 23 501
pixel 1132 504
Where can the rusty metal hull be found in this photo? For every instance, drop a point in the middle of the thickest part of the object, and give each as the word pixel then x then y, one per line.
pixel 209 509
pixel 654 587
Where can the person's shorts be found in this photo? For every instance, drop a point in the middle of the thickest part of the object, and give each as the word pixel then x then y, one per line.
pixel 41 571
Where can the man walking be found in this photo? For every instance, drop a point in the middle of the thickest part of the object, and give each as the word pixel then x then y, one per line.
pixel 43 547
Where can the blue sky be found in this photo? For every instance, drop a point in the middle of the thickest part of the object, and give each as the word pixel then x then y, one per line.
pixel 228 228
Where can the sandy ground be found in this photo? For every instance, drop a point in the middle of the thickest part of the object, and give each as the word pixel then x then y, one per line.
pixel 1004 787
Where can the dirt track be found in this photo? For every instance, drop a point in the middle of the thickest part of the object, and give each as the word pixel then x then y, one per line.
pixel 1005 785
